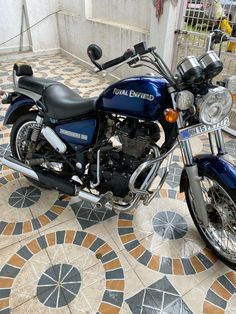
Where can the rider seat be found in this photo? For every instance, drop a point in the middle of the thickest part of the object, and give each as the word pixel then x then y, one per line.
pixel 61 102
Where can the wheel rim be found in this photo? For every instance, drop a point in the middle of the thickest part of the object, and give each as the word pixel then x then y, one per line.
pixel 20 141
pixel 221 231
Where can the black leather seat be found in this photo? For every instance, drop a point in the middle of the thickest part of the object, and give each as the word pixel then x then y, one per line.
pixel 60 100
pixel 35 84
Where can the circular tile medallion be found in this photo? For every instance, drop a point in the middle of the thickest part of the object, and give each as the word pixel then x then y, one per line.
pixel 60 284
pixel 162 236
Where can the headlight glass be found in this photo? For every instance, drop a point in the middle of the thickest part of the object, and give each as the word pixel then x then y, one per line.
pixel 184 100
pixel 215 105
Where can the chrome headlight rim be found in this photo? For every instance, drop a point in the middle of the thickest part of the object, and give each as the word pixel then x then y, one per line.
pixel 215 105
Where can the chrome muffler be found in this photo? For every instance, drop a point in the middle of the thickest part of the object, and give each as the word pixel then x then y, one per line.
pixel 51 180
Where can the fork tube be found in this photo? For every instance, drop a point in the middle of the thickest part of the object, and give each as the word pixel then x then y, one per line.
pixel 220 142
pixel 194 182
pixel 211 143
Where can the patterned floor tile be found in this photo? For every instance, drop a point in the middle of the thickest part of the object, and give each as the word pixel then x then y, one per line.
pixel 88 214
pixel 160 297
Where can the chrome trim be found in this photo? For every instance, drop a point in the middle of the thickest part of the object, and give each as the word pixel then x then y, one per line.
pixel 187 63
pixel 92 184
pixel 208 58
pixel 20 167
pixel 28 93
pixel 156 162
pixel 54 140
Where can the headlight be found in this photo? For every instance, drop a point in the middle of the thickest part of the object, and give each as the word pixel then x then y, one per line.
pixel 184 100
pixel 215 105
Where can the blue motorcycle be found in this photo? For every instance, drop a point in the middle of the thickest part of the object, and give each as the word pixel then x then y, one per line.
pixel 106 150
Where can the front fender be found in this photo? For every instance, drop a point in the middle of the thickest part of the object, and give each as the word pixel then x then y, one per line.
pixel 214 166
pixel 17 108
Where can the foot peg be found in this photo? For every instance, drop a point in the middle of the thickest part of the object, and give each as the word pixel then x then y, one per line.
pixel 106 201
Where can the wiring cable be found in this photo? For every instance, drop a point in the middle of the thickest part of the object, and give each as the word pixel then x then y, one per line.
pixel 29 27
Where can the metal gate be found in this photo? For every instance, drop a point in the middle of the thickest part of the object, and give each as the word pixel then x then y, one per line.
pixel 196 21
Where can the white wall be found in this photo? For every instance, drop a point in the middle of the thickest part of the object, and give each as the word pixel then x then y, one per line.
pixel 10 25
pixel 42 37
pixel 45 35
pixel 115 26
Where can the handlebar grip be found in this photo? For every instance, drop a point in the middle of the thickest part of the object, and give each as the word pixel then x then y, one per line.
pixel 118 60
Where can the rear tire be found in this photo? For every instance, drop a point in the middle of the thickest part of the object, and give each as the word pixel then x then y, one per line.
pixel 220 235
pixel 20 126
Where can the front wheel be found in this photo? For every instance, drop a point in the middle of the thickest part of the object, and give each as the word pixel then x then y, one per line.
pixel 220 234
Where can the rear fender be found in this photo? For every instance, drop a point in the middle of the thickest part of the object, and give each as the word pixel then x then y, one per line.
pixel 214 166
pixel 20 106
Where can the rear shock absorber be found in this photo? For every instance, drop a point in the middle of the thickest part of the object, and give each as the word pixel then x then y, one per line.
pixel 34 136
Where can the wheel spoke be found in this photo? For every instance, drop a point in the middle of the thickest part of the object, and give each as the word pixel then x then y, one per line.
pixel 221 231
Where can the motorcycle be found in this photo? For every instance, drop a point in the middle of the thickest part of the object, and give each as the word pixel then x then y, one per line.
pixel 105 150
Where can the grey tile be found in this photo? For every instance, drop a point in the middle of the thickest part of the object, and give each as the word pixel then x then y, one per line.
pixel 153 298
pixel 42 242
pixel 113 297
pixel 96 244
pixel 188 268
pixel 5 311
pixel 172 304
pixel 5 293
pixel 149 310
pixel 126 216
pixel 115 274
pixel 135 302
pixel 205 261
pixel 164 285
pixel 36 224
pixel 166 265
pixel 51 215
pixel 131 245
pixel 145 258
pixel 215 299
pixel 18 228
pixel 9 271
pixel 2 226
pixel 227 284
pixel 25 253
pixel 60 235
pixel 79 237
pixel 123 231
pixel 108 257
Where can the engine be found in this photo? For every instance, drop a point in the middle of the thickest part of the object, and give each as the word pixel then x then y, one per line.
pixel 118 164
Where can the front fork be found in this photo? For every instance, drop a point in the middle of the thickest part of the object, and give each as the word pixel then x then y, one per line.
pixel 191 167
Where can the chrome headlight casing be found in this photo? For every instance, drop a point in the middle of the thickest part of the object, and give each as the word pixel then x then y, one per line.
pixel 215 105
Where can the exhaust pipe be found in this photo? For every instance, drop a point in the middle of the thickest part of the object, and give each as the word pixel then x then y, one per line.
pixel 49 179
pixel 55 181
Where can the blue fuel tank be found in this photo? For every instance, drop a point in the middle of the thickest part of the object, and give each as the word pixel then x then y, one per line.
pixel 141 97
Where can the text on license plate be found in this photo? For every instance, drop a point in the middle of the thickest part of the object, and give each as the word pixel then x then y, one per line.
pixel 196 130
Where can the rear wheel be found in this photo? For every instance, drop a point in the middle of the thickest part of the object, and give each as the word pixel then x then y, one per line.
pixel 18 139
pixel 220 234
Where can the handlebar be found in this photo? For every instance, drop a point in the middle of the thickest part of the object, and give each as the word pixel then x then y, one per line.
pixel 138 50
pixel 129 53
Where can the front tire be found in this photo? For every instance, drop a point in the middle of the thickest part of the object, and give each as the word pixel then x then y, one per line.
pixel 18 137
pixel 220 234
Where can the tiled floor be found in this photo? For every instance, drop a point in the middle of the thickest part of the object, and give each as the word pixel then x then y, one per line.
pixel 64 256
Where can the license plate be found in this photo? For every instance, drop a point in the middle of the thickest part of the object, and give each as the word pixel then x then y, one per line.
pixel 185 134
